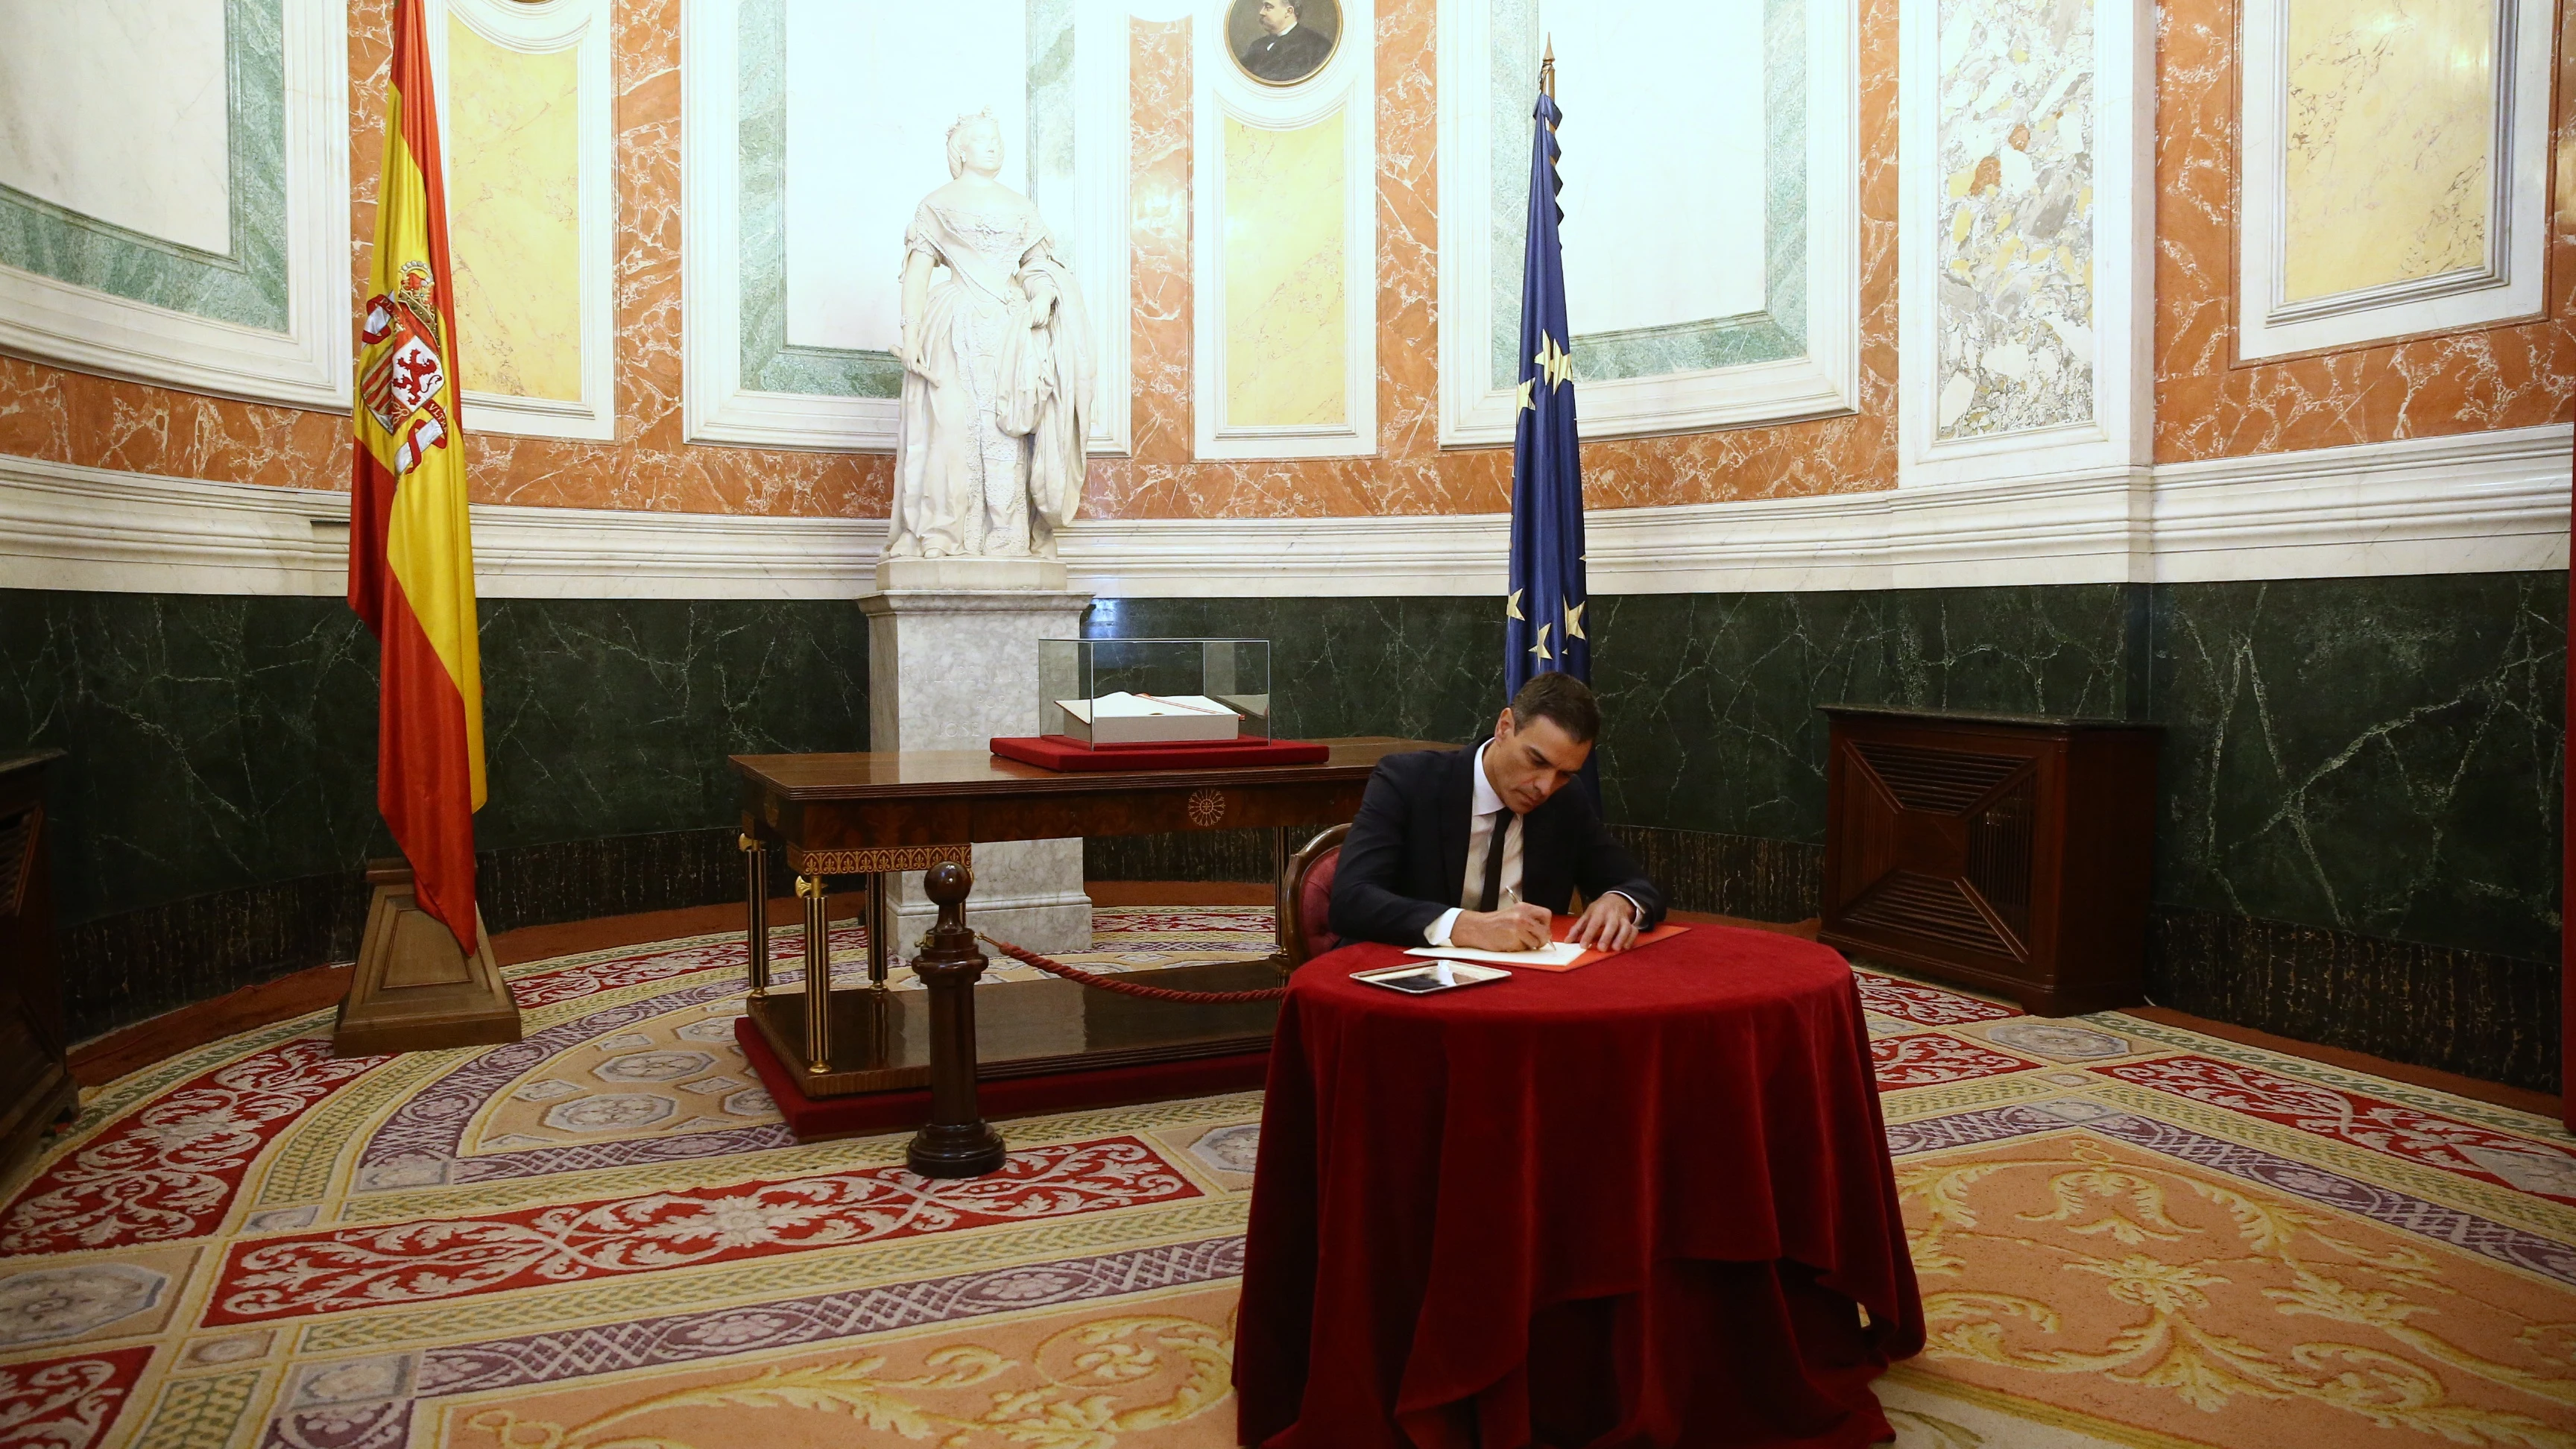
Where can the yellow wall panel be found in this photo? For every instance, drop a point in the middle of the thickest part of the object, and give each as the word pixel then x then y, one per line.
pixel 1286 328
pixel 2390 138
pixel 514 216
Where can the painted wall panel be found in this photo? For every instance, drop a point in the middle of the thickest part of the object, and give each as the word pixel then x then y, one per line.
pixel 2388 154
pixel 871 90
pixel 2014 236
pixel 1286 343
pixel 116 109
pixel 1663 110
pixel 514 215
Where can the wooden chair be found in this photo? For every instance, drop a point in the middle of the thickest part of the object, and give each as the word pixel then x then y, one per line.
pixel 1304 898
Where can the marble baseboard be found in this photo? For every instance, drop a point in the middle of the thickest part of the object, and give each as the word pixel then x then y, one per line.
pixel 127 967
pixel 1210 855
pixel 2482 1015
pixel 1730 875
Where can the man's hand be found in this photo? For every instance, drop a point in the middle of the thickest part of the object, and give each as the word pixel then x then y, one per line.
pixel 1608 924
pixel 1521 927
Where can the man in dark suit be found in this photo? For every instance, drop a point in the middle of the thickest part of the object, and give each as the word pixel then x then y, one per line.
pixel 1290 51
pixel 1477 847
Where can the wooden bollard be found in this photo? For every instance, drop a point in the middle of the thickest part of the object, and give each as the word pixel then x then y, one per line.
pixel 956 1141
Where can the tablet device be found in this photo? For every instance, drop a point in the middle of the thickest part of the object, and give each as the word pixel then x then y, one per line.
pixel 1423 979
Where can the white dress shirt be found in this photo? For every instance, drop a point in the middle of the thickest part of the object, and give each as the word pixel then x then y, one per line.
pixel 1480 837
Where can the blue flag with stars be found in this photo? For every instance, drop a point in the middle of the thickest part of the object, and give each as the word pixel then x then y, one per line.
pixel 1543 615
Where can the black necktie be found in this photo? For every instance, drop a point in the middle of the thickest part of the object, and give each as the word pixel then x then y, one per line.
pixel 1493 891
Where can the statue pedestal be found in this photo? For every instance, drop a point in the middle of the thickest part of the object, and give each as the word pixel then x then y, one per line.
pixel 952 662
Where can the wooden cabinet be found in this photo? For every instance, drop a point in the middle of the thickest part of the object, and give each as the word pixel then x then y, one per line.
pixel 35 1079
pixel 2008 853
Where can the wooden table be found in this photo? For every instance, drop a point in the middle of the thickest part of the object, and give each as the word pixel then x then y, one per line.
pixel 879 815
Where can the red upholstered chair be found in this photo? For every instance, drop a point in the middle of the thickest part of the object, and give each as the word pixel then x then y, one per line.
pixel 1304 899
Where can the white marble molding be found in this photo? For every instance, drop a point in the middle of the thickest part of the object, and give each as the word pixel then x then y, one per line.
pixel 308 364
pixel 2509 282
pixel 2119 434
pixel 2470 503
pixel 582 26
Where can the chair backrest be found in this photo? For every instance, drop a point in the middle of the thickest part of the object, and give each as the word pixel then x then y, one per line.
pixel 1304 898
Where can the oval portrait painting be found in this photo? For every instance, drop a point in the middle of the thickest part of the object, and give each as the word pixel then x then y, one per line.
pixel 1281 42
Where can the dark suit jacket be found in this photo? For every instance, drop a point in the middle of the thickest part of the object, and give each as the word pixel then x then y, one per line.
pixel 1290 57
pixel 1406 855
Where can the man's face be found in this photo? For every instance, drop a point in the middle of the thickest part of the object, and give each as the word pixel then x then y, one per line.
pixel 1277 16
pixel 1526 764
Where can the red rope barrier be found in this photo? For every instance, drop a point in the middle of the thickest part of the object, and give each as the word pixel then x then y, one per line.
pixel 1122 984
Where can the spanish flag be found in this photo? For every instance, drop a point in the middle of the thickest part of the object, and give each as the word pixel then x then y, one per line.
pixel 411 563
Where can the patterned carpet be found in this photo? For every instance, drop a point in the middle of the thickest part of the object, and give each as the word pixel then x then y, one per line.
pixel 602 1238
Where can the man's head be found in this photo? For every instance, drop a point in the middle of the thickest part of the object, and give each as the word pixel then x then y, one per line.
pixel 1542 740
pixel 1279 16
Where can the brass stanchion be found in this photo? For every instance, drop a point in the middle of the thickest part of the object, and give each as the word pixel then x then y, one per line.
pixel 818 973
pixel 755 929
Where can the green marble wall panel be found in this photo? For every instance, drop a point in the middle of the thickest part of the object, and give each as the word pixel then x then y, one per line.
pixel 1428 668
pixel 2378 756
pixel 222 743
pixel 246 284
pixel 1711 700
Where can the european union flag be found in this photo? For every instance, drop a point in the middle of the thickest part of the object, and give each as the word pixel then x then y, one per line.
pixel 1543 616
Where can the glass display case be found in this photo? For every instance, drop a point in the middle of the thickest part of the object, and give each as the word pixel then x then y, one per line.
pixel 1109 693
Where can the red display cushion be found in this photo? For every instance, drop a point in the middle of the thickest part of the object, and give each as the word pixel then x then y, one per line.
pixel 1063 752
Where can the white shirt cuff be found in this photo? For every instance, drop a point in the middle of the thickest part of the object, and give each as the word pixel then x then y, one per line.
pixel 1636 912
pixel 1437 933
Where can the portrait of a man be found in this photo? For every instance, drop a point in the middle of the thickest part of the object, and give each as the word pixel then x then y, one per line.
pixel 1281 42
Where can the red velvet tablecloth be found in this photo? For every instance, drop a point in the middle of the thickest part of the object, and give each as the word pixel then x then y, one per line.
pixel 1632 1204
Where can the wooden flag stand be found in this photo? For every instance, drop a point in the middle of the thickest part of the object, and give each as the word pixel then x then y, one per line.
pixel 414 991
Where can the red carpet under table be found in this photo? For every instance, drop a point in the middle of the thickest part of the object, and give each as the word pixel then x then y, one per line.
pixel 1632 1204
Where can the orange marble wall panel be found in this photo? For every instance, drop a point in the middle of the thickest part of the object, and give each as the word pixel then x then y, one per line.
pixel 2496 377
pixel 70 417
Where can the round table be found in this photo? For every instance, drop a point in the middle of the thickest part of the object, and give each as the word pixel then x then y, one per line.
pixel 1633 1203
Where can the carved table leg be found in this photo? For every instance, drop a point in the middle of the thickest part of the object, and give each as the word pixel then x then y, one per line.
pixel 956 1141
pixel 755 927
pixel 818 974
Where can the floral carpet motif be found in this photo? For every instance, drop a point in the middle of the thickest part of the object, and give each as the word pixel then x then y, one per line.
pixel 601 1236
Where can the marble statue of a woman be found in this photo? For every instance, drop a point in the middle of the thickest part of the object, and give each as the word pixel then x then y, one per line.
pixel 997 369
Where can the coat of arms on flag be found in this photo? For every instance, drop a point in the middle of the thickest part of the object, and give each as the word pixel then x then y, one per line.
pixel 401 374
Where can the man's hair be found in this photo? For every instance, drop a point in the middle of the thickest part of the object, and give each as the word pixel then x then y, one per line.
pixel 1562 698
pixel 1296 8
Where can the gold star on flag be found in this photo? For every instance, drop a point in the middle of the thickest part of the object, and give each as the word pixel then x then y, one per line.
pixel 1528 403
pixel 1512 606
pixel 1574 622
pixel 1540 648
pixel 1554 362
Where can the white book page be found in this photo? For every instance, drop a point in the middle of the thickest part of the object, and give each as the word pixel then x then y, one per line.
pixel 1554 953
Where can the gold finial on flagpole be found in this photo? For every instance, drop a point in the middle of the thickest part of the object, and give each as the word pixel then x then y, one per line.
pixel 1547 70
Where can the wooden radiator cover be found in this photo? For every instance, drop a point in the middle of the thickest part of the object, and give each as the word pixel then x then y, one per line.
pixel 2005 852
